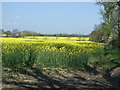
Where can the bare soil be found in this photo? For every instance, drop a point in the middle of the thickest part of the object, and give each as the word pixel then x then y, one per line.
pixel 37 79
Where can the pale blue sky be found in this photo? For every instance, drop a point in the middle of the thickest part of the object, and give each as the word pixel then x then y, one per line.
pixel 51 17
pixel 0 15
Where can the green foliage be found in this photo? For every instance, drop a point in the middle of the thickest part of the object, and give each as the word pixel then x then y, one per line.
pixel 109 29
pixel 98 34
pixel 111 24
pixel 27 55
pixel 113 54
pixel 109 59
pixel 18 33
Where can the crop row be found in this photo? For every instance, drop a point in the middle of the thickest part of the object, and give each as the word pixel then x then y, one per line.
pixel 20 52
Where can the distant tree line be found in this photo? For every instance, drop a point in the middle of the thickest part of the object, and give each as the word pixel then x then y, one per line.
pixel 18 33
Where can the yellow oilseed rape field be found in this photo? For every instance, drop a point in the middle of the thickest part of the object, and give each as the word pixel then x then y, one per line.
pixel 65 51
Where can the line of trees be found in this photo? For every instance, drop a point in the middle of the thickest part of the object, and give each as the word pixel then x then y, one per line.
pixel 17 33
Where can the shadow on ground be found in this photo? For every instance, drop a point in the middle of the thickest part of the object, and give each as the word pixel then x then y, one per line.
pixel 44 81
pixel 114 81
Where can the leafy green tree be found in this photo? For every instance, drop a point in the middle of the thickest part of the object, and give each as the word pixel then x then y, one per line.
pixel 98 34
pixel 28 33
pixel 8 33
pixel 15 33
pixel 111 18
pixel 1 31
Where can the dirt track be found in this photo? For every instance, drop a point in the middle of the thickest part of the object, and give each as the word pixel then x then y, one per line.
pixel 56 78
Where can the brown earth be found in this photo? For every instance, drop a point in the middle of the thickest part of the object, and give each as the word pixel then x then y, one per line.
pixel 36 79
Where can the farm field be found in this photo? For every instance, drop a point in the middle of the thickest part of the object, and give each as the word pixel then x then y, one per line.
pixel 66 51
pixel 52 59
pixel 60 44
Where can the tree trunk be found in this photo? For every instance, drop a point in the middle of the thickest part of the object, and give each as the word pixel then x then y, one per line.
pixel 118 25
pixel 118 39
